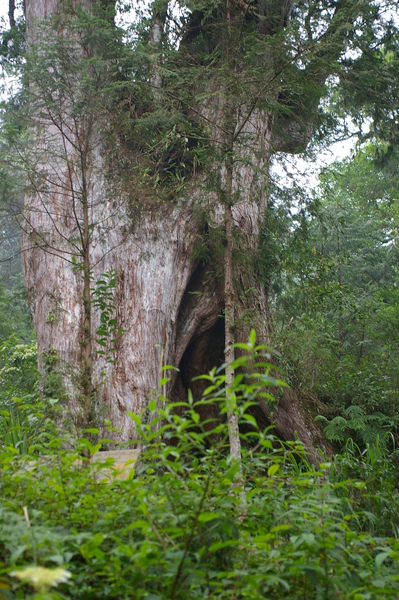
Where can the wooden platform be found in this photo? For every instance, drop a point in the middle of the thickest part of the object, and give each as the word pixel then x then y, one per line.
pixel 124 461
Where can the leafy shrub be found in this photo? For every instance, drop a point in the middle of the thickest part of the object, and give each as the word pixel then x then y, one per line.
pixel 18 370
pixel 25 416
pixel 376 467
pixel 178 528
pixel 357 424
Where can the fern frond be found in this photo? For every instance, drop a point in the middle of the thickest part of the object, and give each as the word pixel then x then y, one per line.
pixel 354 412
pixel 370 434
pixel 358 424
pixel 378 418
pixel 321 419
pixel 336 429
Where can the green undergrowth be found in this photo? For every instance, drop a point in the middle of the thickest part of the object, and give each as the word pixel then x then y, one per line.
pixel 178 527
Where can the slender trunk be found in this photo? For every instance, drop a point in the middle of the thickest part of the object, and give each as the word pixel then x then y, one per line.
pixel 87 355
pixel 158 23
pixel 360 356
pixel 11 12
pixel 87 347
pixel 229 354
pixel 234 434
pixel 340 307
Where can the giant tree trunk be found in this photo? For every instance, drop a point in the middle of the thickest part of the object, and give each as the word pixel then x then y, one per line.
pixel 168 302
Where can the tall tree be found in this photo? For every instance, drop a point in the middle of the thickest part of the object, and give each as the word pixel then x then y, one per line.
pixel 213 93
pixel 64 217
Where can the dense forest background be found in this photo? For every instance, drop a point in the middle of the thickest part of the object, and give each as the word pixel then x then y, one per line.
pixel 199 518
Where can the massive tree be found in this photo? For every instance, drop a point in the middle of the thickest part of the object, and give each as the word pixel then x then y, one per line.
pixel 166 182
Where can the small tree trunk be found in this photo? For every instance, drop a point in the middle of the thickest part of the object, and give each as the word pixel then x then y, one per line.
pixel 229 296
pixel 11 12
pixel 158 24
pixel 232 417
pixel 87 351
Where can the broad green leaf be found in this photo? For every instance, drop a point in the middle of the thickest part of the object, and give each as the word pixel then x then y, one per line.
pixel 205 517
pixel 272 470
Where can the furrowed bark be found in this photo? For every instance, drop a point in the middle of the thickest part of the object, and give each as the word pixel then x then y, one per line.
pixel 166 298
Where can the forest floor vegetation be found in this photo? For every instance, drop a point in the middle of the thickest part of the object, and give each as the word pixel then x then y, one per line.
pixel 175 528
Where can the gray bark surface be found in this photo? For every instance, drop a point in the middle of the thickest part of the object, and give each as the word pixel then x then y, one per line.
pixel 169 304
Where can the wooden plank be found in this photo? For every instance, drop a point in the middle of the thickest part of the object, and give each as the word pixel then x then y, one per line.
pixel 124 462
